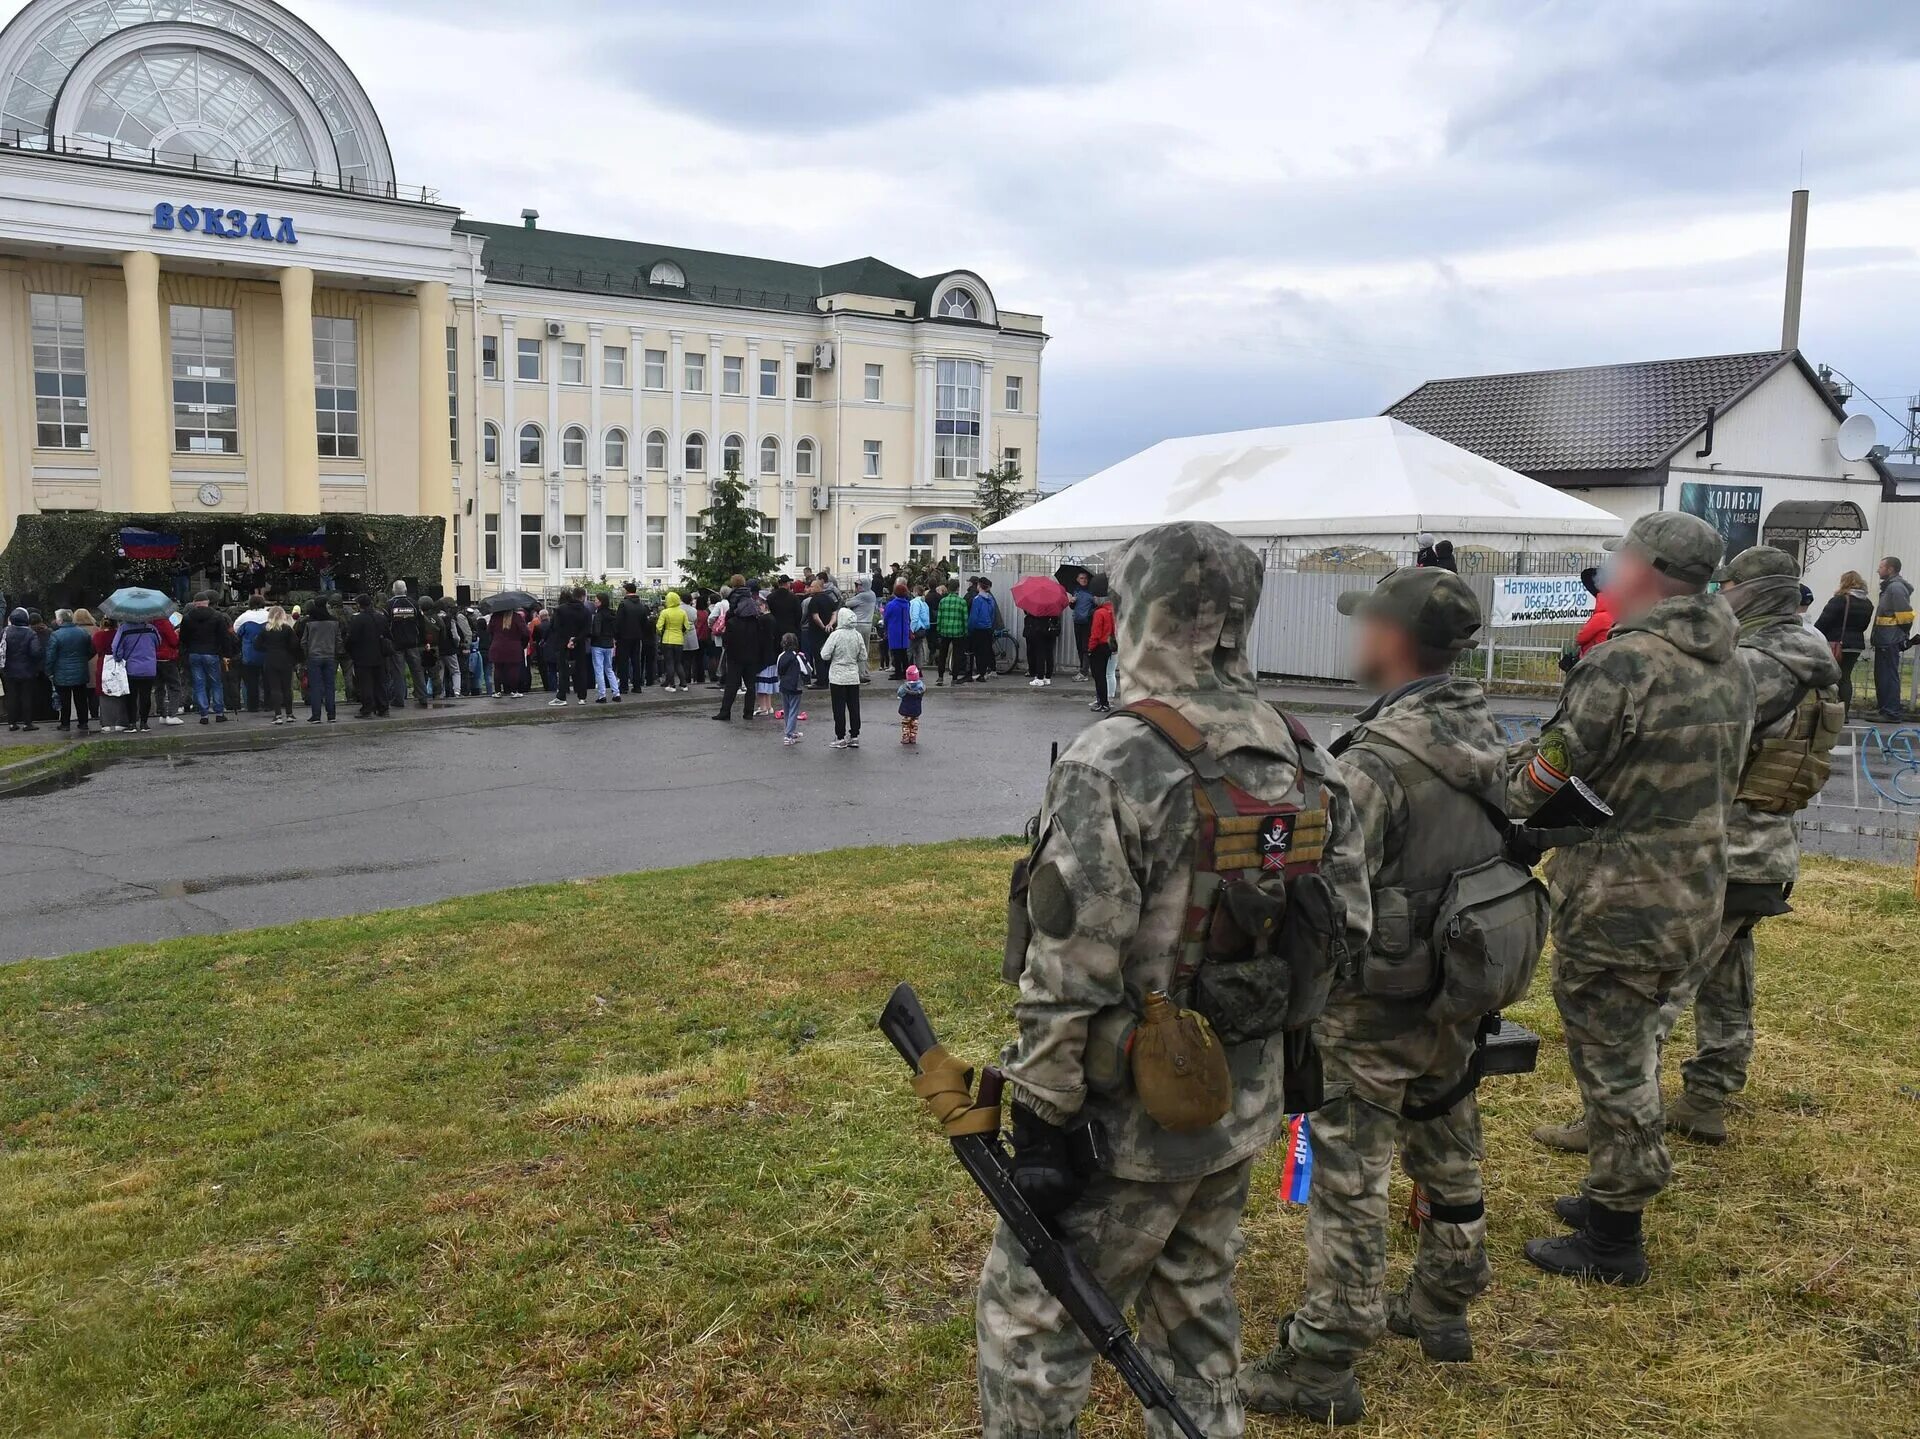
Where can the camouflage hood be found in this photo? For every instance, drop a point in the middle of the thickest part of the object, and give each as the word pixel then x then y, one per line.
pixel 1184 597
pixel 1702 626
pixel 1448 726
pixel 1769 613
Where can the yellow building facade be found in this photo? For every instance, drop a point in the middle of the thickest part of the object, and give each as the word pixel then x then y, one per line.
pixel 216 296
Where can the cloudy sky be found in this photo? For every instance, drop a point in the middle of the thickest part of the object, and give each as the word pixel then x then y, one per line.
pixel 1229 213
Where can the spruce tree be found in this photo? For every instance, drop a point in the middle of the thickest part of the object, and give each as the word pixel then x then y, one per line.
pixel 731 540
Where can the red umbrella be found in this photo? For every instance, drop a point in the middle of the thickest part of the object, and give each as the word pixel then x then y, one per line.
pixel 1041 595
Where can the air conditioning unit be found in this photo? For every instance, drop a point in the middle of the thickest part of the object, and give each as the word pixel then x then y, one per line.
pixel 556 329
pixel 554 542
pixel 819 497
pixel 823 355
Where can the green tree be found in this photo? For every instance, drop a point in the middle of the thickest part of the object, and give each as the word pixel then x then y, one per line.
pixel 732 539
pixel 999 492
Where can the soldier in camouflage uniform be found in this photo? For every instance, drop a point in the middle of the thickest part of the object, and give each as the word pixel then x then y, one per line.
pixel 1423 764
pixel 1786 663
pixel 1657 721
pixel 1107 905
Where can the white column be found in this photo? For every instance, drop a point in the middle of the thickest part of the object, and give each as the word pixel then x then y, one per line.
pixel 750 447
pixel 676 524
pixel 300 449
pixel 923 419
pixel 987 457
pixel 676 372
pixel 713 431
pixel 637 475
pixel 550 367
pixel 436 455
pixel 783 541
pixel 596 457
pixel 509 458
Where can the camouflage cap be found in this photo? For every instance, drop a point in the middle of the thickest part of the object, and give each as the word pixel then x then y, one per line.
pixel 1679 545
pixel 1757 563
pixel 1434 605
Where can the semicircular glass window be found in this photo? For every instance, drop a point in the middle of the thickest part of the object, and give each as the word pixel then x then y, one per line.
pixel 186 102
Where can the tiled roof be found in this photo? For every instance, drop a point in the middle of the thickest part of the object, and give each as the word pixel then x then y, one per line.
pixel 595 264
pixel 1599 418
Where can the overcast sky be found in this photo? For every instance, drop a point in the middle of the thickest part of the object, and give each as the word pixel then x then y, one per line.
pixel 1229 213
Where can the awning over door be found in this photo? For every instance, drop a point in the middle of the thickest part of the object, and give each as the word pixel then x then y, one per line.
pixel 1814 519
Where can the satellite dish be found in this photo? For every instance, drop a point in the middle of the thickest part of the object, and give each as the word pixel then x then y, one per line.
pixel 1856 437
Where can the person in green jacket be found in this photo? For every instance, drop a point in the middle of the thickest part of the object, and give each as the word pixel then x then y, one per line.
pixel 950 634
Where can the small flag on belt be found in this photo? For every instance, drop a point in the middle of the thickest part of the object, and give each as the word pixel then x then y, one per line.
pixel 1419 1208
pixel 1296 1172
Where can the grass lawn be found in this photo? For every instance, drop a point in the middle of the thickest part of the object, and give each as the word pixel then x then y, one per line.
pixel 629 1158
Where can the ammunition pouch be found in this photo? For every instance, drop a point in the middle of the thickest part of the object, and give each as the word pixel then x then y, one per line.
pixel 1399 963
pixel 1786 770
pixel 1487 938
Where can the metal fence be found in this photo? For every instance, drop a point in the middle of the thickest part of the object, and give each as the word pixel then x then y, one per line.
pixel 1298 634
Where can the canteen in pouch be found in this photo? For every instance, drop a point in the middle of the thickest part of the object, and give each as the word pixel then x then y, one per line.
pixel 1179 1067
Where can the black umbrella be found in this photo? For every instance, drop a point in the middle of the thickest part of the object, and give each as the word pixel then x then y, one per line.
pixel 508 600
pixel 1069 576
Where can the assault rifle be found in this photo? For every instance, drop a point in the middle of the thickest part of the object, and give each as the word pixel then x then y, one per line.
pixel 974 1130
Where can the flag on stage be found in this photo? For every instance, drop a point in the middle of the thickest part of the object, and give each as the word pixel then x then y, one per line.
pixel 148 544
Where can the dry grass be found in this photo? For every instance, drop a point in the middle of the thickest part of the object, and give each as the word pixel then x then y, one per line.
pixel 628 1158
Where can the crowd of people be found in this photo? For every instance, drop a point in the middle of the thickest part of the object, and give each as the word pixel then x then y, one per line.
pixel 758 642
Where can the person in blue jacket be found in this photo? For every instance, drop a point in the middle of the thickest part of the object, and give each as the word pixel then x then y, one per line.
pixel 1082 619
pixel 899 618
pixel 248 628
pixel 982 615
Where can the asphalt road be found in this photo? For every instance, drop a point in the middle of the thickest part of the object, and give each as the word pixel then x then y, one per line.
pixel 356 821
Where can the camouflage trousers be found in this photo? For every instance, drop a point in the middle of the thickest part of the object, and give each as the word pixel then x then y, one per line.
pixel 1721 993
pixel 1166 1248
pixel 1354 1135
pixel 1612 1019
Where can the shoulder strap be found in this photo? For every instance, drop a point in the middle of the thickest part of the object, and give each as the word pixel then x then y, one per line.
pixel 1179 732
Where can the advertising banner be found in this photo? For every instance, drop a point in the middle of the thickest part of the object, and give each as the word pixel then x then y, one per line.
pixel 1539 600
pixel 1734 510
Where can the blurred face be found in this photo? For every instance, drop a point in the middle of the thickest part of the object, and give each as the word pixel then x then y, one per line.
pixel 1382 654
pixel 1633 585
pixel 1886 570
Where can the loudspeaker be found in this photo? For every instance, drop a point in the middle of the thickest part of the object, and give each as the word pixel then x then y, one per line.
pixel 463 595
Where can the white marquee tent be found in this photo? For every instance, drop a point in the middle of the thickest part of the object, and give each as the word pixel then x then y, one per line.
pixel 1371 481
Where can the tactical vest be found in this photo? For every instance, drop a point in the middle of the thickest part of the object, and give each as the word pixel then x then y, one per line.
pixel 1447 832
pixel 1256 949
pixel 1788 764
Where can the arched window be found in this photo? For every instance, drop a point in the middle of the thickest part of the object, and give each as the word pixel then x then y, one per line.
pixel 696 456
pixel 733 454
pixel 957 304
pixel 490 443
pixel 573 447
pixel 616 449
pixel 769 456
pixel 532 447
pixel 665 272
pixel 656 449
pixel 803 460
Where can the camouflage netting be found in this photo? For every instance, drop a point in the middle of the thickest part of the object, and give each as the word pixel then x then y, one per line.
pixel 74 556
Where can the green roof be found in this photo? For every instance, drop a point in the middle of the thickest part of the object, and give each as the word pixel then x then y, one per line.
pixel 594 264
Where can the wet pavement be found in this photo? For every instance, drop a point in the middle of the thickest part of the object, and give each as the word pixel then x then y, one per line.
pixel 147 849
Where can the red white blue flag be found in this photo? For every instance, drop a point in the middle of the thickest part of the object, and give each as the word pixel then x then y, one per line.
pixel 1296 1171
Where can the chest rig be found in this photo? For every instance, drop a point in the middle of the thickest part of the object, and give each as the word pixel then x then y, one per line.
pixel 1256 940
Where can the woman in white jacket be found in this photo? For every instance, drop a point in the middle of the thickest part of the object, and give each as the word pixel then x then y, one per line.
pixel 845 656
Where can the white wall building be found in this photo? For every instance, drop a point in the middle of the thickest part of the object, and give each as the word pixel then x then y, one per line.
pixel 1750 442
pixel 216 295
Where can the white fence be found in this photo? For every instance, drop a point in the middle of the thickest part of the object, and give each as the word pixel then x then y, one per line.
pixel 1298 634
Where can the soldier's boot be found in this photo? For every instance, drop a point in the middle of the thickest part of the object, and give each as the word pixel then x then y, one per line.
pixel 1701 1120
pixel 1571 1210
pixel 1570 1137
pixel 1608 1250
pixel 1283 1382
pixel 1446 1340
